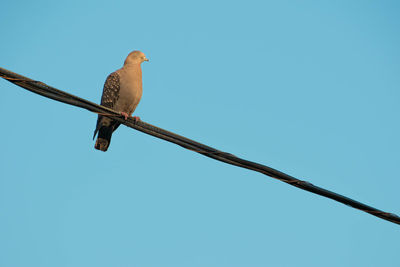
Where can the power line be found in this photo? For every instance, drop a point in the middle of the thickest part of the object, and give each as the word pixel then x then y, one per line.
pixel 61 96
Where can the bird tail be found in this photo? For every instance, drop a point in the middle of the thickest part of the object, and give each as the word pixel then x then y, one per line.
pixel 104 138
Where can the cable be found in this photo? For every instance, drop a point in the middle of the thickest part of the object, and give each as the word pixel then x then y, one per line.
pixel 61 96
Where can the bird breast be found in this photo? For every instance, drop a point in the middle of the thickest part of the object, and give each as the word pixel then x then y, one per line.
pixel 130 91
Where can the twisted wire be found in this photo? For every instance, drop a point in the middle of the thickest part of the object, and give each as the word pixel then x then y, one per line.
pixel 61 96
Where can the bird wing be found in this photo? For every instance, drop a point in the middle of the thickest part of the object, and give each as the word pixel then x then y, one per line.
pixel 110 96
pixel 110 91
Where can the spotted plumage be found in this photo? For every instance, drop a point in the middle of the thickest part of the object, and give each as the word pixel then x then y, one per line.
pixel 110 91
pixel 108 99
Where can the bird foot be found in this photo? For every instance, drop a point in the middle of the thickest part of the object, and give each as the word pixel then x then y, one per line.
pixel 136 118
pixel 125 115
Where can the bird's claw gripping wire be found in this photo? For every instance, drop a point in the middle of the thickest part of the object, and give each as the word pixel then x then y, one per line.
pixel 125 115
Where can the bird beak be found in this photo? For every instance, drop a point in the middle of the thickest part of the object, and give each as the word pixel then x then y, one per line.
pixel 146 59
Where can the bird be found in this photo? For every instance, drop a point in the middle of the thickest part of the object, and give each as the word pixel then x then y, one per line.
pixel 122 92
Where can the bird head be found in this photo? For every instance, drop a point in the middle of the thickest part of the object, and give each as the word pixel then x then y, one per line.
pixel 135 57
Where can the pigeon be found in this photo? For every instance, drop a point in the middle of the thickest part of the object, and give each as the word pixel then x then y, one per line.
pixel 122 92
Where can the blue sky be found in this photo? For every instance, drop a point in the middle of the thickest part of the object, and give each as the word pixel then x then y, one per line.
pixel 310 88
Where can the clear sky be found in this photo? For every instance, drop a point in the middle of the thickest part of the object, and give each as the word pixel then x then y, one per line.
pixel 310 88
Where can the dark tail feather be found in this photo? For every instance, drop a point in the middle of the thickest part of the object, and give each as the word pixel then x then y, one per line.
pixel 104 138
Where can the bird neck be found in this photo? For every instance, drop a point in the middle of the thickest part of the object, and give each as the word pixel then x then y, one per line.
pixel 133 67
